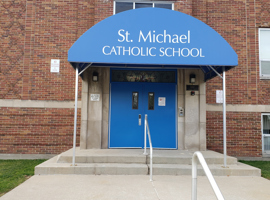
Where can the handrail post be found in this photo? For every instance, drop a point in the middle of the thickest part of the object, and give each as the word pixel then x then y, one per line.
pixel 194 178
pixel 147 131
pixel 151 153
pixel 224 119
pixel 75 116
pixel 208 174
pixel 145 121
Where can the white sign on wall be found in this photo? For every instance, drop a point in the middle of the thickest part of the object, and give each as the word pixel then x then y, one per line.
pixel 55 65
pixel 95 97
pixel 219 96
pixel 161 101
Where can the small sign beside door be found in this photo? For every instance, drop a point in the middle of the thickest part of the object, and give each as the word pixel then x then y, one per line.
pixel 219 96
pixel 95 97
pixel 55 65
pixel 161 101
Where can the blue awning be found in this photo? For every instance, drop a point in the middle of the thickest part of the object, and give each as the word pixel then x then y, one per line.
pixel 153 37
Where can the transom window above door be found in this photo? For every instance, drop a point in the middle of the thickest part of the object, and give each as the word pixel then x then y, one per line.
pixel 143 76
pixel 120 6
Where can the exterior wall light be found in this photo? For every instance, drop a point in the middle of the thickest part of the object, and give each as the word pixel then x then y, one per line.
pixel 192 78
pixel 95 77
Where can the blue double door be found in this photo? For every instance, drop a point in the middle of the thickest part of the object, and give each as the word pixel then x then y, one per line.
pixel 129 104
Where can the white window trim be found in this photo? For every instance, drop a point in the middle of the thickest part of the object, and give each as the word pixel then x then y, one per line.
pixel 138 1
pixel 262 76
pixel 263 135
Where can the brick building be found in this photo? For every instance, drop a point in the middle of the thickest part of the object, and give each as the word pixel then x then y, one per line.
pixel 37 104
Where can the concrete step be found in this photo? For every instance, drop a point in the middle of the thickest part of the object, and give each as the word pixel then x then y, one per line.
pixel 188 160
pixel 50 167
pixel 136 156
pixel 139 159
pixel 133 162
pixel 239 169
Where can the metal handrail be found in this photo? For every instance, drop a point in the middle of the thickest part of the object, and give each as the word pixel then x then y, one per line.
pixel 146 127
pixel 208 173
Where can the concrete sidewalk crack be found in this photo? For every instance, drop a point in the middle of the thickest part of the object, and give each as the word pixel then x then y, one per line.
pixel 155 190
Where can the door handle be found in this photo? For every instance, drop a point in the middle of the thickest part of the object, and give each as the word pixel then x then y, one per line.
pixel 140 119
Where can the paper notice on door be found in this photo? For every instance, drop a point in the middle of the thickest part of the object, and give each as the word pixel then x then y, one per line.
pixel 161 101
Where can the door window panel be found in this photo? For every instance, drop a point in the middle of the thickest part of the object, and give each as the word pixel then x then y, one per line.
pixel 151 101
pixel 135 100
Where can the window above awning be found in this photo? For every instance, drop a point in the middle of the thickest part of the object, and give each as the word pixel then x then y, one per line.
pixel 153 38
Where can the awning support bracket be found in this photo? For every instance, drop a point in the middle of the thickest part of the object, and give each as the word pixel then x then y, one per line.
pixel 85 68
pixel 215 71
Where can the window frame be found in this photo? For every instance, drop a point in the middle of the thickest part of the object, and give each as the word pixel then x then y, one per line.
pixel 262 76
pixel 134 2
pixel 264 135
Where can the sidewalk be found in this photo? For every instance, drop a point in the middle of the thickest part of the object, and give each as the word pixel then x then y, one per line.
pixel 136 187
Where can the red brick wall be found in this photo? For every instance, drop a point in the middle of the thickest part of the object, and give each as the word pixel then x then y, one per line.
pixel 244 138
pixel 36 130
pixel 263 21
pixel 238 23
pixel 12 34
pixel 31 34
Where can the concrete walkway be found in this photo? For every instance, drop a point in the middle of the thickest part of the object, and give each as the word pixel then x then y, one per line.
pixel 136 187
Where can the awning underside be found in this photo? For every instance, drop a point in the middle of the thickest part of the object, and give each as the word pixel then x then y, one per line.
pixel 208 72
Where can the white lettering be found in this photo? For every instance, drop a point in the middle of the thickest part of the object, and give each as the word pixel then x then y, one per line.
pixel 175 39
pixel 183 53
pixel 167 35
pixel 182 37
pixel 191 52
pixel 154 36
pixel 201 53
pixel 132 51
pixel 179 52
pixel 145 38
pixel 113 51
pixel 158 39
pixel 161 50
pixel 124 50
pixel 167 53
pixel 150 51
pixel 103 50
pixel 121 35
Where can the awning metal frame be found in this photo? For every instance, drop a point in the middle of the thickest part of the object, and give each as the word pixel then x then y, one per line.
pixel 76 108
pixel 224 110
pixel 224 114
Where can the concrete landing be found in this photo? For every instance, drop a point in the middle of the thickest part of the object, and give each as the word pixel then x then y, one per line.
pixel 108 187
pixel 133 162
